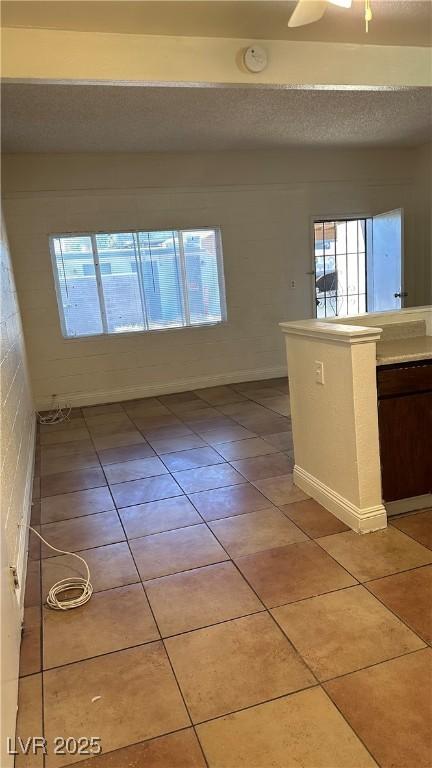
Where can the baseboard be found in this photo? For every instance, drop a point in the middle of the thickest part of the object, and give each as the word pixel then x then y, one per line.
pixel 77 399
pixel 361 520
pixel 21 562
pixel 412 504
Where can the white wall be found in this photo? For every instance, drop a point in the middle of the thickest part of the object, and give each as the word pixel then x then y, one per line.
pixel 335 424
pixel 16 453
pixel 264 203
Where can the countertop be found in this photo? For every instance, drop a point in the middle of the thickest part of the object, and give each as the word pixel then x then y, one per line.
pixel 404 350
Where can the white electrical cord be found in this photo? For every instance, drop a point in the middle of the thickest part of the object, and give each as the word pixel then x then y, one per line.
pixel 56 415
pixel 68 585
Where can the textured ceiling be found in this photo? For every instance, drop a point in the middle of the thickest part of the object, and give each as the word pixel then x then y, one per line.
pixel 93 118
pixel 396 22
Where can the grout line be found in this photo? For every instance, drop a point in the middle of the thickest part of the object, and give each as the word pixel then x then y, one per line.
pixel 259 704
pixel 392 610
pixel 164 646
pixel 410 536
pixel 132 744
pixel 77 490
pixel 351 727
pixel 375 664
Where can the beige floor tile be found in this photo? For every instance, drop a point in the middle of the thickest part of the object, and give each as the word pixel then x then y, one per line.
pixel 110 566
pixel 165 553
pixel 125 453
pixel 229 501
pixel 154 434
pixel 201 427
pixel 266 425
pixel 375 554
pixel 144 406
pixel 240 410
pixel 245 449
pixel 304 730
pixel 219 395
pixel 67 482
pixel 33 588
pixel 65 435
pixel 313 518
pixel 140 675
pixel 291 573
pixel 262 467
pixel 97 410
pixel 36 490
pixel 181 409
pixel 265 529
pixel 409 595
pixel 111 620
pixel 155 421
pixel 107 428
pixel 280 490
pixel 176 750
pixel 172 444
pixel 344 631
pixel 158 516
pixel 151 414
pixel 178 397
pixel 82 533
pixel 77 504
pixel 215 436
pixel 235 665
pixel 279 404
pixel 196 457
pixel 207 478
pixel 418 526
pixel 204 413
pixel 55 464
pixel 34 544
pixel 389 707
pixel 282 441
pixel 134 470
pixel 73 448
pixel 199 598
pixel 104 442
pixel 35 513
pixel 117 422
pixel 30 652
pixel 148 489
pixel 29 720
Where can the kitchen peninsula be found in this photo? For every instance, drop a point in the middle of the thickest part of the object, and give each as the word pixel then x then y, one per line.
pixel 361 407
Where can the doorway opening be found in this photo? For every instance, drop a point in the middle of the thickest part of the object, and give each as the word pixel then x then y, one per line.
pixel 358 265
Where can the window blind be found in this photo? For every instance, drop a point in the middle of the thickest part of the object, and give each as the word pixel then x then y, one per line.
pixel 120 282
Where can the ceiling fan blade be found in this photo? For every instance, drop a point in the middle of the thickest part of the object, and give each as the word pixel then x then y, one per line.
pixel 306 12
pixel 341 3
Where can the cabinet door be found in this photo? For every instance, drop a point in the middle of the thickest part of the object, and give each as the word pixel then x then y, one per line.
pixel 405 427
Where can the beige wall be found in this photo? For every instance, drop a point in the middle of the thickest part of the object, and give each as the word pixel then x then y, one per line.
pixel 50 54
pixel 264 203
pixel 424 170
pixel 16 449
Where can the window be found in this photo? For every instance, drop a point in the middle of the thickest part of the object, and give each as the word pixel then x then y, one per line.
pixel 340 267
pixel 118 282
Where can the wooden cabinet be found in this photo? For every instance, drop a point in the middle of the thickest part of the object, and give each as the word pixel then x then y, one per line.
pixel 405 429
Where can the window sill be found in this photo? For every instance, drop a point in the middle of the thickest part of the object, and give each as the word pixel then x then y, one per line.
pixel 128 334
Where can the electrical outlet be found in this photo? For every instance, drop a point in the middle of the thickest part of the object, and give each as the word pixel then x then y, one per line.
pixel 319 372
pixel 293 283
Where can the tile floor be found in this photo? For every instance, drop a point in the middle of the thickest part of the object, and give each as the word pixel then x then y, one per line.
pixel 235 623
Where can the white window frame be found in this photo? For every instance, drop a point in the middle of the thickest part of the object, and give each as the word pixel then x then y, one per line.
pixel 134 231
